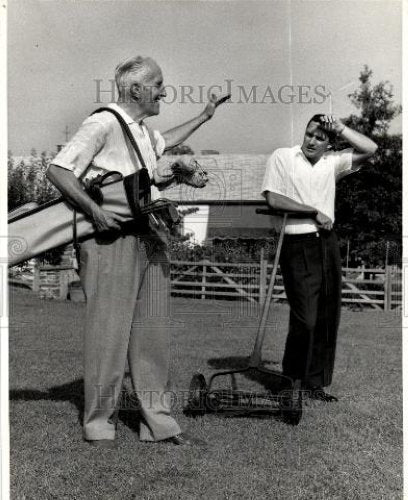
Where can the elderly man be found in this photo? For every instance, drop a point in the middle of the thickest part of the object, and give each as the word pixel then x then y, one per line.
pixel 303 179
pixel 125 270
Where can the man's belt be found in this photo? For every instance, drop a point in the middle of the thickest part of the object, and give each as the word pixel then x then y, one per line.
pixel 50 225
pixel 308 236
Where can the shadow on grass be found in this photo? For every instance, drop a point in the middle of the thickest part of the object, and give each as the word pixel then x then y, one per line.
pixel 73 392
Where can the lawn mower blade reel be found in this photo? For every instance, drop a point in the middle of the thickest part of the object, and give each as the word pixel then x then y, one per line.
pixel 291 404
pixel 197 396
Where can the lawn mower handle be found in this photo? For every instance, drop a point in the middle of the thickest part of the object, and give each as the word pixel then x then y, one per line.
pixel 290 213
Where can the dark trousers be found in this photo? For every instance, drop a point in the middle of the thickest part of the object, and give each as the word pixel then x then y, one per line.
pixel 311 271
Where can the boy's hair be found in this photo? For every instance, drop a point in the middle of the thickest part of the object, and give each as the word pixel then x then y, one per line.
pixel 318 119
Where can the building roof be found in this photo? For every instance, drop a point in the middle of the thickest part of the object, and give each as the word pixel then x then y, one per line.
pixel 240 222
pixel 232 178
pixel 233 193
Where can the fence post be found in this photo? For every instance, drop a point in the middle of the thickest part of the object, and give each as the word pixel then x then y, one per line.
pixel 203 283
pixel 262 277
pixel 387 288
pixel 63 285
pixel 36 276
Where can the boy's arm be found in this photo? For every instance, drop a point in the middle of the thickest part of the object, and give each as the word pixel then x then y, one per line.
pixel 364 147
pixel 281 202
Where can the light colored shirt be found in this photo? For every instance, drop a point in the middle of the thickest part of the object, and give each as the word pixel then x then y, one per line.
pixel 100 146
pixel 289 173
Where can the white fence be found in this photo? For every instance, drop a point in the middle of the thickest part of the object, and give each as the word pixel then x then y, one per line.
pixel 376 288
pixel 373 288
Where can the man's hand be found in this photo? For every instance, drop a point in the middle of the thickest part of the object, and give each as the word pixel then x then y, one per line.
pixel 213 103
pixel 331 124
pixel 323 221
pixel 177 135
pixel 191 174
pixel 163 175
pixel 104 220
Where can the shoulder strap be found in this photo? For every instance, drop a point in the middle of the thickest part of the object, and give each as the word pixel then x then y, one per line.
pixel 152 139
pixel 126 131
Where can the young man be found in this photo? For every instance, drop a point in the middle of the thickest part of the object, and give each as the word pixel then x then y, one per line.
pixel 303 179
pixel 124 272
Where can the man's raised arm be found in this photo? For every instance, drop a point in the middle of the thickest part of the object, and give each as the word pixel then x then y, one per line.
pixel 179 134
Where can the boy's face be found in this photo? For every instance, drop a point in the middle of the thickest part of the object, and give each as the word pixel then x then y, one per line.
pixel 315 142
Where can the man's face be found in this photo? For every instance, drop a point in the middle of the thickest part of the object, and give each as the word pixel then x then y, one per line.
pixel 315 142
pixel 151 91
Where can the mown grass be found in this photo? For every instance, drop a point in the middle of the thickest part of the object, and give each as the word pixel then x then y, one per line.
pixel 348 450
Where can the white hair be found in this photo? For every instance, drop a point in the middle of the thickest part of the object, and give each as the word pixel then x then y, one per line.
pixel 134 69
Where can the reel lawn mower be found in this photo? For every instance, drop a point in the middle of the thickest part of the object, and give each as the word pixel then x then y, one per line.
pixel 281 394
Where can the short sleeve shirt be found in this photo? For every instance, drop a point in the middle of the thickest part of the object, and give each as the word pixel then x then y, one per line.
pixel 289 173
pixel 100 146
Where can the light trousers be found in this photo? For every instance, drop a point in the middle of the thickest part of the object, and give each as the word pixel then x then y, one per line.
pixel 127 286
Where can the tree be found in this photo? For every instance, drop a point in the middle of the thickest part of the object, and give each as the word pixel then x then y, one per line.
pixel 27 183
pixel 369 203
pixel 376 106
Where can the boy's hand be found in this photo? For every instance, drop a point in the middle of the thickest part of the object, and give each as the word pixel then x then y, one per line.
pixel 331 124
pixel 323 221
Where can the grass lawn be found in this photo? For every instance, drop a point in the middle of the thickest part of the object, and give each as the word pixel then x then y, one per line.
pixel 346 450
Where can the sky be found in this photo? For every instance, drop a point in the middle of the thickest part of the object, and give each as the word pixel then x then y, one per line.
pixel 288 50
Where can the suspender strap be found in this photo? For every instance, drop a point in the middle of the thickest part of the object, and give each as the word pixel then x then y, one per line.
pixel 152 139
pixel 126 131
pixel 137 186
